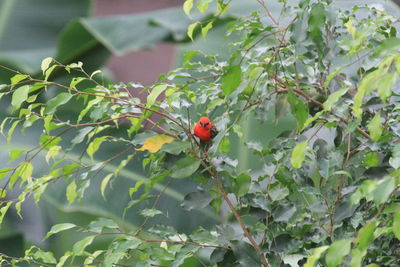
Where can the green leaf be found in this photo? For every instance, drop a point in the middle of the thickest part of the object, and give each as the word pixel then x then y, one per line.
pixel 383 190
pixel 46 63
pixel 298 154
pixel 336 252
pixel 82 134
pixel 76 80
pixel 316 23
pixel 79 247
pixel 57 101
pixel 196 200
pixel 387 47
pixel 157 90
pixel 47 142
pixel 134 189
pixel 368 83
pixel 366 235
pixel 176 147
pixel 4 209
pixel 58 228
pixel 101 223
pixel 396 224
pixel 243 182
pixel 25 170
pixel 4 172
pixel 11 131
pixel 278 192
pixel 333 98
pixel 48 72
pixel 205 29
pixel 231 79
pixel 245 254
pixel 386 84
pixel 104 183
pixel 150 212
pixel 185 167
pixel 375 127
pixel 71 192
pixel 46 257
pixel 317 252
pixel 15 153
pixel 17 78
pixel 298 108
pixel 191 28
pixel 95 145
pixel 224 145
pixel 371 159
pixel 187 6
pixel 19 96
pixel 202 5
pixel 64 258
pixel 52 153
pixel 88 107
pixel 357 256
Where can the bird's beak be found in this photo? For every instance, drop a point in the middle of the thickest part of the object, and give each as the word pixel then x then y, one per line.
pixel 203 124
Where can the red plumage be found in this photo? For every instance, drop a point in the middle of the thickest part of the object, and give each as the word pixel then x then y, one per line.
pixel 205 130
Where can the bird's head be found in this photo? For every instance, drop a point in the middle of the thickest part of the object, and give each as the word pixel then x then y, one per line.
pixel 205 122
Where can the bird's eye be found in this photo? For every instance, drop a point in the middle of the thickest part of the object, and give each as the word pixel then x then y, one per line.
pixel 206 124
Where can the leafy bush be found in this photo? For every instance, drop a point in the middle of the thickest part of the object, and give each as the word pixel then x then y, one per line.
pixel 325 191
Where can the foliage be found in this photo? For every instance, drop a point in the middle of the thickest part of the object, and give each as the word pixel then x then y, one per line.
pixel 326 192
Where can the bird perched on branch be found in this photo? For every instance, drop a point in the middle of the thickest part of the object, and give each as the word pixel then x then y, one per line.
pixel 205 130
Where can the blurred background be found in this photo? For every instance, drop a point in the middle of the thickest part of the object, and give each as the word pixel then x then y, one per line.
pixel 131 41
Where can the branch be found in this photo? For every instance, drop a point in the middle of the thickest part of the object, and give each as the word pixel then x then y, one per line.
pixel 316 102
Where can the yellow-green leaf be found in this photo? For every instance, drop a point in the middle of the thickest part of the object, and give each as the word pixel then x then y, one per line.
pixel 157 90
pixel 298 154
pixel 17 78
pixel 25 170
pixel 333 98
pixel 317 252
pixel 71 192
pixel 3 210
pixel 375 127
pixel 52 153
pixel 191 29
pixel 153 144
pixel 95 145
pixel 46 63
pixel 396 224
pixel 104 183
pixel 205 29
pixel 187 6
pixel 336 252
pixel 202 5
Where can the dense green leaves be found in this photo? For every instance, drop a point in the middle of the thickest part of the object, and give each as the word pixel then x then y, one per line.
pixel 396 224
pixel 304 170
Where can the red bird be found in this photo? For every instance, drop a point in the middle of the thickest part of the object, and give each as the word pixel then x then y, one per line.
pixel 205 130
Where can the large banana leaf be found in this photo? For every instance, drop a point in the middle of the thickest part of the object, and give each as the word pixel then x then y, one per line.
pixel 29 29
